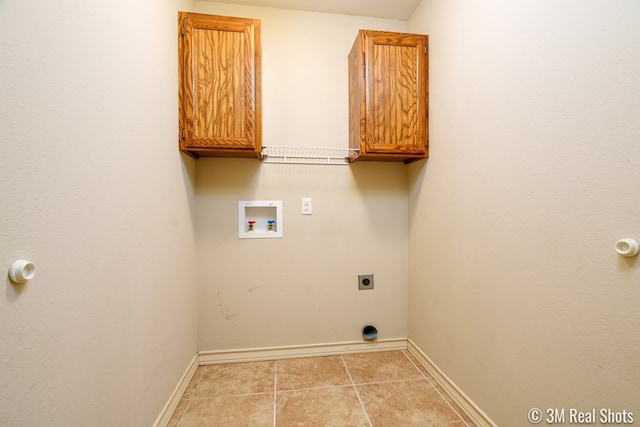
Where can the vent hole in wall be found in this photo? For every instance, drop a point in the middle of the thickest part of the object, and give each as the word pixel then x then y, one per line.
pixel 369 332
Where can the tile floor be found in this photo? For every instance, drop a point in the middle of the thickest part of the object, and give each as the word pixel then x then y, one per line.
pixel 376 389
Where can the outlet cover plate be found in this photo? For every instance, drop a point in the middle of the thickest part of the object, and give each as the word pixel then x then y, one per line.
pixel 365 281
pixel 306 206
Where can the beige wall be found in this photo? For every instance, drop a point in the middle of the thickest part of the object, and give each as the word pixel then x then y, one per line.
pixel 503 240
pixel 302 289
pixel 515 289
pixel 93 191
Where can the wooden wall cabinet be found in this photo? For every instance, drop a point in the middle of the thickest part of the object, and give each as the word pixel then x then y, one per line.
pixel 388 96
pixel 219 86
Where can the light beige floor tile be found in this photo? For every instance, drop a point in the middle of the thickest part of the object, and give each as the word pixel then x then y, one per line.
pixel 394 387
pixel 188 392
pixel 325 407
pixel 178 412
pixel 415 361
pixel 451 402
pixel 380 366
pixel 234 379
pixel 255 410
pixel 412 403
pixel 311 372
pixel 438 388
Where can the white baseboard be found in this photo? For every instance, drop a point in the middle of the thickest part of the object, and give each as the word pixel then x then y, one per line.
pixel 288 352
pixel 170 407
pixel 464 402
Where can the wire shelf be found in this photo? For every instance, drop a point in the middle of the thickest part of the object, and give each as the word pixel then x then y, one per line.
pixel 308 155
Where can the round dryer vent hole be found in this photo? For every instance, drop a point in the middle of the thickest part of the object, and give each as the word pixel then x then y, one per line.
pixel 369 332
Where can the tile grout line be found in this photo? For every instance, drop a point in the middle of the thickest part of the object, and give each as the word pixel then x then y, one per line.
pixel 356 390
pixel 190 398
pixel 183 412
pixel 325 387
pixel 401 380
pixel 353 383
pixel 216 396
pixel 275 393
pixel 435 388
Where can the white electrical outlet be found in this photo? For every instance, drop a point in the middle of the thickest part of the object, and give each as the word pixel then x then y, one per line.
pixel 306 206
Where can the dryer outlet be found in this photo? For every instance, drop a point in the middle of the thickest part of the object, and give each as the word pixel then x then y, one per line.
pixel 365 281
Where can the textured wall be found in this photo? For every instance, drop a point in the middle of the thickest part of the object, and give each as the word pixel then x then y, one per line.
pixel 515 289
pixel 302 289
pixel 94 191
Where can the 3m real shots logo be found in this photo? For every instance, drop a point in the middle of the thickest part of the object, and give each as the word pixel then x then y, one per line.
pixel 557 416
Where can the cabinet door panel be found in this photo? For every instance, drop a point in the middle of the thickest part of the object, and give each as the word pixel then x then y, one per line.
pixel 220 92
pixel 219 85
pixel 396 104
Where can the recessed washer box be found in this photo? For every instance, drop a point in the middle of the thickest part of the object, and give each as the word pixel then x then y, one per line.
pixel 259 219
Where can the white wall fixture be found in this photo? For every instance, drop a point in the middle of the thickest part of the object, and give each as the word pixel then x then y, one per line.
pixel 21 271
pixel 307 206
pixel 627 247
pixel 260 219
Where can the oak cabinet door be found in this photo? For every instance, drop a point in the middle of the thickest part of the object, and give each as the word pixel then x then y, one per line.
pixel 388 96
pixel 219 85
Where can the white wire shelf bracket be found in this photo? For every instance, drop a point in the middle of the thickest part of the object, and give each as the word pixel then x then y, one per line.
pixel 308 155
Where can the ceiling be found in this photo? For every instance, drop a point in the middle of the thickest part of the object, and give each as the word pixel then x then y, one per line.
pixel 389 9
